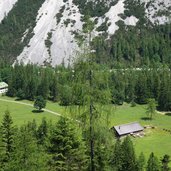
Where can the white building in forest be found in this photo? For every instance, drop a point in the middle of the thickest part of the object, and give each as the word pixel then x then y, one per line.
pixel 3 87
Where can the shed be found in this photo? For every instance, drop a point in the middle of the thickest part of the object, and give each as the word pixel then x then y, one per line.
pixel 3 87
pixel 122 130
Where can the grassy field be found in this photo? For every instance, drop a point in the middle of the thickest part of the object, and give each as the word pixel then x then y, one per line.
pixel 156 140
pixel 126 113
pixel 22 114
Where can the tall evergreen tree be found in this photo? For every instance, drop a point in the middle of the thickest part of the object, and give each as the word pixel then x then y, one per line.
pixel 67 149
pixel 165 163
pixel 153 163
pixel 141 162
pixel 43 88
pixel 42 132
pixel 7 139
pixel 31 88
pixel 54 89
pixel 117 157
pixel 141 89
pixel 129 159
pixel 151 107
pixel 27 155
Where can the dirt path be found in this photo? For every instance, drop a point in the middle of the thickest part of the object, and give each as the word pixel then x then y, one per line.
pixel 27 104
pixel 163 113
pixel 31 105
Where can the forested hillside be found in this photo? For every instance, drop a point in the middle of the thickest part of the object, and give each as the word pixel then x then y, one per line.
pixel 48 32
pixel 136 47
pixel 69 86
pixel 20 21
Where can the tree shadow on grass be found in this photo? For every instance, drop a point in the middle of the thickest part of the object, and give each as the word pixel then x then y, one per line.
pixel 18 99
pixel 37 111
pixel 168 114
pixel 146 119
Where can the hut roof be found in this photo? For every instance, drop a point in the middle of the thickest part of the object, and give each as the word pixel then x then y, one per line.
pixel 128 128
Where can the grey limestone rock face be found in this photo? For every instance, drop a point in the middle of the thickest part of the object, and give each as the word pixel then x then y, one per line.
pixel 60 23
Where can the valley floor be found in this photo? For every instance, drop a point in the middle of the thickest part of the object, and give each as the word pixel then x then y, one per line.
pixel 157 139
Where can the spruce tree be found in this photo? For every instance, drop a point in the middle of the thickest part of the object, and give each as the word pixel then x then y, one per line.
pixel 7 138
pixel 42 132
pixel 67 150
pixel 153 163
pixel 54 89
pixel 165 163
pixel 31 88
pixel 141 162
pixel 43 89
pixel 117 157
pixel 129 159
pixel 102 147
pixel 151 108
pixel 32 127
pixel 141 89
pixel 27 155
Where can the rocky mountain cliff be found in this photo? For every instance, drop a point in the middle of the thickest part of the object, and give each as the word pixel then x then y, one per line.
pixel 51 32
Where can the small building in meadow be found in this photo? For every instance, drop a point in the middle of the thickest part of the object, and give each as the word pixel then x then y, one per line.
pixel 3 87
pixel 128 129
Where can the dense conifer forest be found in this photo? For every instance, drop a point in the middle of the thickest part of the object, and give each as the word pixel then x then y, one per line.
pixel 69 86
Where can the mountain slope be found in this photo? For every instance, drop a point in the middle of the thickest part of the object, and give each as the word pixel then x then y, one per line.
pixel 5 7
pixel 54 29
pixel 158 11
pixel 63 45
pixel 60 43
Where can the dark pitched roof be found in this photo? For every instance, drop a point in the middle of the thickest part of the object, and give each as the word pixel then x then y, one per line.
pixel 128 128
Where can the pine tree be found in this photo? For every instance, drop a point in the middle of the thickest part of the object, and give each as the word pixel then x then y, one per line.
pixel 141 162
pixel 141 89
pixel 153 163
pixel 164 99
pixel 27 155
pixel 129 159
pixel 54 89
pixel 42 132
pixel 31 89
pixel 117 157
pixel 11 90
pixel 102 147
pixel 165 163
pixel 66 148
pixel 95 90
pixel 32 127
pixel 65 95
pixel 43 88
pixel 7 139
pixel 151 108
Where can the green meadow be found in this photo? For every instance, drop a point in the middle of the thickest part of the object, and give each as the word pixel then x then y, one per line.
pixel 22 114
pixel 157 140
